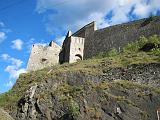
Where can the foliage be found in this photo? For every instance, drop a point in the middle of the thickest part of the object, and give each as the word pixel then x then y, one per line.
pixel 68 89
pixel 74 109
pixel 7 98
pixel 113 52
pixel 130 54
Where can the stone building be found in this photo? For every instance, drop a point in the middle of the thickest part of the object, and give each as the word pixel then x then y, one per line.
pixel 72 49
pixel 89 41
pixel 43 56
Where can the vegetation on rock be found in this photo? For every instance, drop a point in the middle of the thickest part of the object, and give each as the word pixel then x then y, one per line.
pixel 112 85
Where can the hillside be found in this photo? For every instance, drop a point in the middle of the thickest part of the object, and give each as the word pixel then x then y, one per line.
pixel 113 85
pixel 4 115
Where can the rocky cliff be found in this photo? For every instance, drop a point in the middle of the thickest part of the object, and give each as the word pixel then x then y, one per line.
pixel 111 86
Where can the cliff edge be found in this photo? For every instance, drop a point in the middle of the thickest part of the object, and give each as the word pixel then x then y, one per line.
pixel 115 85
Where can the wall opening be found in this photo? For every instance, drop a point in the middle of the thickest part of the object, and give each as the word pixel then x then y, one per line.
pixel 44 59
pixel 78 57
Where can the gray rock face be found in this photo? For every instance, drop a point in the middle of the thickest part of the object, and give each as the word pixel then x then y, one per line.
pixel 141 73
pixel 77 96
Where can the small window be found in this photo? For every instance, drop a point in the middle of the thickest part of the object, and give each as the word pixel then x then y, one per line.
pixel 44 59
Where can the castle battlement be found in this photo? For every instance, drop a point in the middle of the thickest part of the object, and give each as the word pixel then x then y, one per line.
pixel 89 41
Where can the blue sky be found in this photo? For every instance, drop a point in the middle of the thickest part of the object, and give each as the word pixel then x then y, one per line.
pixel 25 22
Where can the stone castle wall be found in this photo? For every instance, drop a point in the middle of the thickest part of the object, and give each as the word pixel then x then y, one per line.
pixel 119 35
pixel 72 49
pixel 76 49
pixel 43 56
pixel 88 41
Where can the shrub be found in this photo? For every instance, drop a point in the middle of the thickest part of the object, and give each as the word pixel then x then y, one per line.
pixel 74 109
pixel 154 39
pixel 131 47
pixel 113 52
pixel 135 46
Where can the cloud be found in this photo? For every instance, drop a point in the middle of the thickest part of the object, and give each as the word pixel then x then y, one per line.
pixel 73 14
pixel 17 44
pixel 5 56
pixel 9 84
pixel 14 69
pixel 2 36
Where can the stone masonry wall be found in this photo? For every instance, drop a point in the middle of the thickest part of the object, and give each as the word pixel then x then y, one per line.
pixel 43 56
pixel 119 35
pixel 76 49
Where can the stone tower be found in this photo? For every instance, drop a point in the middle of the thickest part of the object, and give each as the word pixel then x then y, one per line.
pixel 73 45
pixel 43 56
pixel 72 49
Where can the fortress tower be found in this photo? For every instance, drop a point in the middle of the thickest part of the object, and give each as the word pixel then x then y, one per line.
pixel 72 49
pixel 43 56
pixel 73 45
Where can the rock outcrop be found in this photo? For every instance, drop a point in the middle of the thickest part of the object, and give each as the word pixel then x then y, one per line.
pixel 113 86
pixel 116 94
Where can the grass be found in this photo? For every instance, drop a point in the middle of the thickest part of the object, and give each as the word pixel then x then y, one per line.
pixel 4 115
pixel 130 54
pixel 133 85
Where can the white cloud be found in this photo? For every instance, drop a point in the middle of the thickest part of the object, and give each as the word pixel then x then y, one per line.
pixel 5 56
pixel 9 84
pixel 73 14
pixel 16 62
pixel 17 44
pixel 2 36
pixel 14 69
pixel 142 10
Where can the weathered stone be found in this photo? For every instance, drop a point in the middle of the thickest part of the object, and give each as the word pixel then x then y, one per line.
pixel 88 41
pixel 43 56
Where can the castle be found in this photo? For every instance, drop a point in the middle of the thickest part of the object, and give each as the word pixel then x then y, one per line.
pixel 89 41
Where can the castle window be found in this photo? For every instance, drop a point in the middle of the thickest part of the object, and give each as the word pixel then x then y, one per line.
pixel 44 59
pixel 79 49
